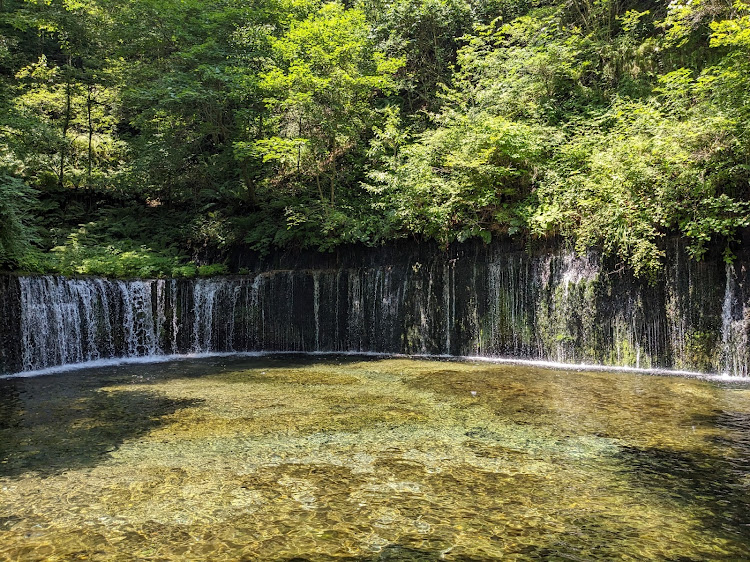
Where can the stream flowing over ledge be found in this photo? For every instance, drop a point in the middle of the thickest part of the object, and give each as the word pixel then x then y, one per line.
pixel 472 300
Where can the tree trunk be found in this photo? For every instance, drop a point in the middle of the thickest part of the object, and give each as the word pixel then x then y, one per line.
pixel 89 102
pixel 249 184
pixel 66 125
pixel 320 189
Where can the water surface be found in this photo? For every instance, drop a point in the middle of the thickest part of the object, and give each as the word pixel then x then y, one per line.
pixel 322 458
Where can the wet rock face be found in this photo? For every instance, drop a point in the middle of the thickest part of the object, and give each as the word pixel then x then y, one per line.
pixel 470 300
pixel 10 324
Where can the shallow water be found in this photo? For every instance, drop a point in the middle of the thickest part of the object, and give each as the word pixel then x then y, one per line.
pixel 320 458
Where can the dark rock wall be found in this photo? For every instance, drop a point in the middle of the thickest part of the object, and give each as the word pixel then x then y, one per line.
pixel 10 324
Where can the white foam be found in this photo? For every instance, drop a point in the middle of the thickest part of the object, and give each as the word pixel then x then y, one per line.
pixel 115 362
pixel 606 368
pixel 151 359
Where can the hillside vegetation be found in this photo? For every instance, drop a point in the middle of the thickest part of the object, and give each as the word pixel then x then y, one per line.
pixel 137 135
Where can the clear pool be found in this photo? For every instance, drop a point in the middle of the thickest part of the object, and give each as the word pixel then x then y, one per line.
pixel 345 458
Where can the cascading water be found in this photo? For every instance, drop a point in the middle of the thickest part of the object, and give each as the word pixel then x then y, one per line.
pixel 735 320
pixel 554 306
pixel 71 321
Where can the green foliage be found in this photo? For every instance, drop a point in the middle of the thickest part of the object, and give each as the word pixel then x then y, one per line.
pixel 616 189
pixel 426 35
pixel 319 90
pixel 16 235
pixel 80 257
pixel 722 216
pixel 138 137
pixel 212 270
pixel 460 180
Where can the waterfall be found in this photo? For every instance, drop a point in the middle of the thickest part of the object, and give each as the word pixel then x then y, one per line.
pixel 139 326
pixel 161 314
pixel 203 318
pixel 355 316
pixel 316 307
pixel 107 346
pixel 175 326
pixel 734 329
pixel 554 306
pixel 71 321
pixel 449 303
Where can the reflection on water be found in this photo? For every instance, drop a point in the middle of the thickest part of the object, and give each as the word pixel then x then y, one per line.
pixel 344 458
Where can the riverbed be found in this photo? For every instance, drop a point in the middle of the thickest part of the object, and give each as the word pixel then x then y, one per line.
pixel 357 458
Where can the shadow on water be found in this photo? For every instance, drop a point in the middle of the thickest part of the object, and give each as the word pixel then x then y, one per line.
pixel 52 426
pixel 71 420
pixel 716 486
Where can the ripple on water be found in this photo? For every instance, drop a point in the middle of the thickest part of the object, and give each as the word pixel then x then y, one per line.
pixel 278 458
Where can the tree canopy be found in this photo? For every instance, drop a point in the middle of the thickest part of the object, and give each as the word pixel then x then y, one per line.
pixel 139 136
